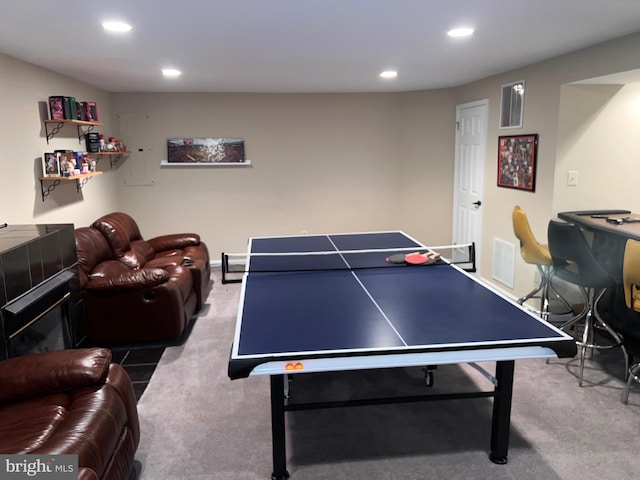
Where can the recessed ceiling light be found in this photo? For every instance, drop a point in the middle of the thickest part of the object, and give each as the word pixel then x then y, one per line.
pixel 460 32
pixel 389 74
pixel 171 72
pixel 116 26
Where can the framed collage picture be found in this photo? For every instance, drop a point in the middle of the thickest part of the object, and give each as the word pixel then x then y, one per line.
pixel 517 161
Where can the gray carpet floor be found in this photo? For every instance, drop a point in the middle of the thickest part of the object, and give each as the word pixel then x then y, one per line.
pixel 198 424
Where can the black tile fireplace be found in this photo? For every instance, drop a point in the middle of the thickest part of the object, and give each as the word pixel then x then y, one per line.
pixel 40 302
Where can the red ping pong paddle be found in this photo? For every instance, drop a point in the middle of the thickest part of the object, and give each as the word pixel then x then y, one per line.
pixel 415 258
pixel 418 258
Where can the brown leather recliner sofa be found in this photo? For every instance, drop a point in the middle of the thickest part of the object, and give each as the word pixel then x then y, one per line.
pixel 133 293
pixel 128 246
pixel 70 402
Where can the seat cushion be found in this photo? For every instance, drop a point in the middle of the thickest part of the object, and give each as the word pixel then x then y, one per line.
pixel 27 425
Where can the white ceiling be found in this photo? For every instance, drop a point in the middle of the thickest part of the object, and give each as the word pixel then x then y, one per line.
pixel 301 45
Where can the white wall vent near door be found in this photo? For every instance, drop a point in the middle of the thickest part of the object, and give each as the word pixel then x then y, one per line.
pixel 504 258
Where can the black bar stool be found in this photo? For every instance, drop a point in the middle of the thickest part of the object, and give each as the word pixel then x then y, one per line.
pixel 574 262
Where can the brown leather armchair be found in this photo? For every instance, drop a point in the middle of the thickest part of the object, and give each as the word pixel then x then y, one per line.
pixel 128 246
pixel 124 305
pixel 70 402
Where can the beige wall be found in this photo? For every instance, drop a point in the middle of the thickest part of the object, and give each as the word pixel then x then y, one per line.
pixel 599 138
pixel 23 89
pixel 324 162
pixel 428 150
pixel 320 162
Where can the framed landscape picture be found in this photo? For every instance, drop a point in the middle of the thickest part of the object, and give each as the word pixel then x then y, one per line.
pixel 517 161
pixel 205 151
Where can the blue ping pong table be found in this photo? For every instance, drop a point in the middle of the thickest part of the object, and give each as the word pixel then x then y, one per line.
pixel 303 310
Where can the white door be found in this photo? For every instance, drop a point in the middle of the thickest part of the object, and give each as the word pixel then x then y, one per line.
pixel 471 140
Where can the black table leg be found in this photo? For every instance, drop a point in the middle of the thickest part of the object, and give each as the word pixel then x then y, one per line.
pixel 277 429
pixel 501 421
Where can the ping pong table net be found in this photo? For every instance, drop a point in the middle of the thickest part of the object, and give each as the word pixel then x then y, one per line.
pixel 235 265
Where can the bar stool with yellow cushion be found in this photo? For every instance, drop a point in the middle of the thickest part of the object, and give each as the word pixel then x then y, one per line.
pixel 575 263
pixel 535 253
pixel 629 328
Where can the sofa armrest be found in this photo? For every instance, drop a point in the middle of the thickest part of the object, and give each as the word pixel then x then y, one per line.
pixel 164 262
pixel 47 373
pixel 174 241
pixel 85 473
pixel 130 280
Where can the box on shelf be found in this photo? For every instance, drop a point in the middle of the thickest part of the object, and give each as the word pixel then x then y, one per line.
pixel 82 162
pixel 73 109
pixel 67 162
pixel 66 105
pixel 51 164
pixel 81 111
pixel 67 108
pixel 92 111
pixel 56 107
pixel 93 142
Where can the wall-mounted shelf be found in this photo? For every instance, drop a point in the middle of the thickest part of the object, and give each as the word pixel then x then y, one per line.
pixel 53 182
pixel 82 127
pixel 166 163
pixel 114 157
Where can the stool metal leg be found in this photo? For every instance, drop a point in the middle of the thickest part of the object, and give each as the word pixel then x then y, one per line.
pixel 585 310
pixel 539 287
pixel 557 295
pixel 544 288
pixel 544 296
pixel 633 377
pixel 588 340
pixel 587 335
